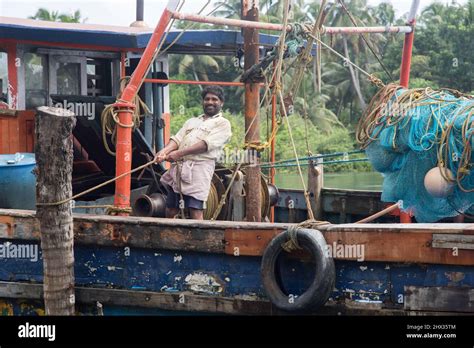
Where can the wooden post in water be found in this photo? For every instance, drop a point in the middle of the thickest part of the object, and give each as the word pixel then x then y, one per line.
pixel 54 157
pixel 315 186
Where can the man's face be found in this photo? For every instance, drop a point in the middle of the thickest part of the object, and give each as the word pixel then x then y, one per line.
pixel 212 104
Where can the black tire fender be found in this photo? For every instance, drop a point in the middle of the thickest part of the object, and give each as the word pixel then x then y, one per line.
pixel 323 283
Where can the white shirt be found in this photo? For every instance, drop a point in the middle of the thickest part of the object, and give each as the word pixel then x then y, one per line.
pixel 215 131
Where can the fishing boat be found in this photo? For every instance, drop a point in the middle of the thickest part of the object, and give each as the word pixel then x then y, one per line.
pixel 272 251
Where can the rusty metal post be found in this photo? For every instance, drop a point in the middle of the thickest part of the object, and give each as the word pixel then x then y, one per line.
pixel 252 101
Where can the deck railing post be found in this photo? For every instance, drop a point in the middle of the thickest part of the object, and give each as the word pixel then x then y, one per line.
pixel 315 186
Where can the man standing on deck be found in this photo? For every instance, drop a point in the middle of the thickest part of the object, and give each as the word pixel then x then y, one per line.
pixel 194 151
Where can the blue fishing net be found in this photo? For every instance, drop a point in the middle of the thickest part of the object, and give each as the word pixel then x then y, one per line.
pixel 405 146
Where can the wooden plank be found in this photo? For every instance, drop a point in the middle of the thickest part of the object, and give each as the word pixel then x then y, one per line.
pixel 13 134
pixel 361 246
pixel 450 241
pixel 399 247
pixel 30 135
pixel 146 236
pixel 250 243
pixel 22 134
pixel 6 230
pixel 159 222
pixel 183 301
pixel 381 242
pixel 190 302
pixel 463 228
pixel 4 143
pixel 442 299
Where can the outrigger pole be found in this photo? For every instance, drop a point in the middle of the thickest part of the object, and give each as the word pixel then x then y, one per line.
pixel 124 106
pixel 278 27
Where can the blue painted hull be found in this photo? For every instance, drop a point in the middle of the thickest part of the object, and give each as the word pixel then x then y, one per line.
pixel 228 276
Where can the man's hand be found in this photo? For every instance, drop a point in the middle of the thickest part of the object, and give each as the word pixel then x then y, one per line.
pixel 174 156
pixel 160 156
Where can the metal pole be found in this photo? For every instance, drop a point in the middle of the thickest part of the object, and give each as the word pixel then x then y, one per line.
pixel 125 108
pixel 278 27
pixel 192 82
pixel 272 148
pixel 252 123
pixel 140 10
pixel 408 46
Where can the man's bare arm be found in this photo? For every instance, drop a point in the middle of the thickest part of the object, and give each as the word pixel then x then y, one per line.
pixel 199 147
pixel 170 147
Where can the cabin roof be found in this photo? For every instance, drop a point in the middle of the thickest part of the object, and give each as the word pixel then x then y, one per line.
pixel 207 41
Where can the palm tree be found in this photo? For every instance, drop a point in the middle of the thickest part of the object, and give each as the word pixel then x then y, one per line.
pixel 45 15
pixel 73 18
pixel 54 16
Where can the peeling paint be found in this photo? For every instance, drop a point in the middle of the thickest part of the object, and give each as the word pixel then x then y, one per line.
pixel 177 258
pixel 6 308
pixel 88 265
pixel 227 279
pixel 252 297
pixel 168 273
pixel 114 268
pixel 455 276
pixel 363 268
pixel 203 283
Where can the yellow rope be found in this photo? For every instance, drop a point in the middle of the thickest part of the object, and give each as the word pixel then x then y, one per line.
pixel 306 194
pixel 224 195
pixel 110 119
pixel 97 186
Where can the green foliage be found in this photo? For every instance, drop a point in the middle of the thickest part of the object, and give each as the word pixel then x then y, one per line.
pixel 54 16
pixel 442 57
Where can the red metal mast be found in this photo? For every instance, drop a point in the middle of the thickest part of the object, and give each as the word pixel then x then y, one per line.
pixel 408 46
pixel 124 108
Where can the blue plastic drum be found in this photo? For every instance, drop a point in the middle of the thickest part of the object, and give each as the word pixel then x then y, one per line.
pixel 17 181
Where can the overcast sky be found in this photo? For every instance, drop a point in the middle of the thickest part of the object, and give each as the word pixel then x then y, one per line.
pixel 122 12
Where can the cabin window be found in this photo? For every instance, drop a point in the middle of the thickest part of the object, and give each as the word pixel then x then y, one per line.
pixel 36 83
pixel 69 78
pixel 99 77
pixel 3 77
pixel 67 75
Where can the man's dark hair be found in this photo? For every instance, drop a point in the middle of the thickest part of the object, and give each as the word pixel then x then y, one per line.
pixel 216 90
